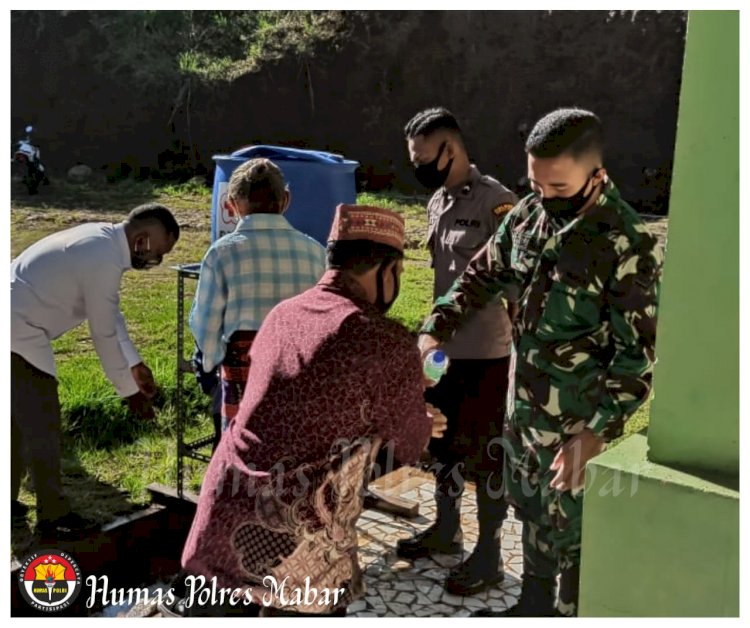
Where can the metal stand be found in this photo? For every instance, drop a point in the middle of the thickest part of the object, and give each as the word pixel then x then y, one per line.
pixel 185 450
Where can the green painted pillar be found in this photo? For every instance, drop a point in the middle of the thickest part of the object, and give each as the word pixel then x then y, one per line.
pixel 661 514
pixel 694 416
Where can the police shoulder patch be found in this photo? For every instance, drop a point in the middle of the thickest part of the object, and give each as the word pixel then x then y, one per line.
pixel 502 209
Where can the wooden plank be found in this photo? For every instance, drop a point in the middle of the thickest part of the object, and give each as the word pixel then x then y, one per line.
pixel 375 499
pixel 393 504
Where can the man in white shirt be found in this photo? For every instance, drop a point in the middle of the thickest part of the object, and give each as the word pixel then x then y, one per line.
pixel 56 284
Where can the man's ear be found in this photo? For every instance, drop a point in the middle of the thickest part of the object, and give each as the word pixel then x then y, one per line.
pixel 141 237
pixel 454 146
pixel 287 201
pixel 450 149
pixel 390 267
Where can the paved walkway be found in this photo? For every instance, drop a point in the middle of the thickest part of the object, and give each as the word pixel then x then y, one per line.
pixel 398 588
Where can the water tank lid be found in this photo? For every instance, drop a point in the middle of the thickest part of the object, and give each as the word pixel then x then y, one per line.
pixel 284 154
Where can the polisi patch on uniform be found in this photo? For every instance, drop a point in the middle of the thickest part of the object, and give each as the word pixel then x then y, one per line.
pixel 502 209
pixel 463 222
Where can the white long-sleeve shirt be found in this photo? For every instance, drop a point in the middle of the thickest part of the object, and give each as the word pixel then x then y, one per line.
pixel 61 281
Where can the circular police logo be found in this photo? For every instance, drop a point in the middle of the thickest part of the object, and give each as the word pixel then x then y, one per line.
pixel 50 581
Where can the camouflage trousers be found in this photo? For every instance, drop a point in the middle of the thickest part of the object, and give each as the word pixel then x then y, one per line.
pixel 551 518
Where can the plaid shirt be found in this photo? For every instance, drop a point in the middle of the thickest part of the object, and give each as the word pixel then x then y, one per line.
pixel 245 274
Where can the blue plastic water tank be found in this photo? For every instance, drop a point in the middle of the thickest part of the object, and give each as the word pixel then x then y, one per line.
pixel 317 181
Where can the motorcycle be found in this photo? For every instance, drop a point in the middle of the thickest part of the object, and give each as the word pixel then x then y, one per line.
pixel 27 159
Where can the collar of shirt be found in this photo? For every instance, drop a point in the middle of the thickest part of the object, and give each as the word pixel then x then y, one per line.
pixel 465 189
pixel 338 282
pixel 609 193
pixel 119 236
pixel 260 222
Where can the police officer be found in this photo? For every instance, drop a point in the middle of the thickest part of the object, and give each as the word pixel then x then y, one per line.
pixel 463 214
pixel 586 270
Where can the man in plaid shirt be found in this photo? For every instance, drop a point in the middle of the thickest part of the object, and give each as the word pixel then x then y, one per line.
pixel 248 272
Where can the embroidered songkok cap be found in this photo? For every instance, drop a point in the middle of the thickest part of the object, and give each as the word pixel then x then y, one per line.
pixel 362 222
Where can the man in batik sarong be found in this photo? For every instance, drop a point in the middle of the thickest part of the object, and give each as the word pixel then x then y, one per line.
pixel 331 382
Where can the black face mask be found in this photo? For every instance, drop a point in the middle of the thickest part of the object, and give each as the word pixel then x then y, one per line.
pixel 142 263
pixel 429 175
pixel 567 207
pixel 380 301
pixel 140 260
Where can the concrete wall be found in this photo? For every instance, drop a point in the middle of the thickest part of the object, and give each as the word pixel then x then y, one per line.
pixel 498 70
pixel 661 514
pixel 657 542
pixel 695 414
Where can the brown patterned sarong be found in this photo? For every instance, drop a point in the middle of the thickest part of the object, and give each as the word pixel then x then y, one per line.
pixel 234 370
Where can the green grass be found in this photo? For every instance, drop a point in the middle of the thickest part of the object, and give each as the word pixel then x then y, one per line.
pixel 110 458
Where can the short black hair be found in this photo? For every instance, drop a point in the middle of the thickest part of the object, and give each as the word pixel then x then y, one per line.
pixel 569 130
pixel 359 256
pixel 431 120
pixel 150 212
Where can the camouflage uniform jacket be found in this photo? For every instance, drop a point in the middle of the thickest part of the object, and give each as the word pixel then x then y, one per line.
pixel 588 289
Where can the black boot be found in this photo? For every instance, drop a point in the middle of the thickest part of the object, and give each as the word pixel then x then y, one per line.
pixel 442 537
pixel 481 571
pixel 484 568
pixel 68 526
pixel 537 600
pixel 567 604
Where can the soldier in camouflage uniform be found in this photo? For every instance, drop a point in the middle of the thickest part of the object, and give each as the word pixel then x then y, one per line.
pixel 585 269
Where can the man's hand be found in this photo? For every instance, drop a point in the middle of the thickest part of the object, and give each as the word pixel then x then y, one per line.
pixel 513 310
pixel 145 379
pixel 426 343
pixel 141 406
pixel 570 461
pixel 439 421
